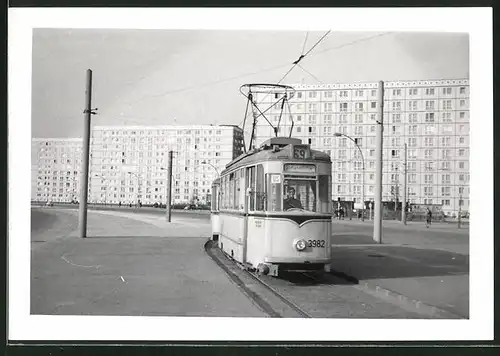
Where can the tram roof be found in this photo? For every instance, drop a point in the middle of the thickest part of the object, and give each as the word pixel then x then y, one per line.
pixel 276 149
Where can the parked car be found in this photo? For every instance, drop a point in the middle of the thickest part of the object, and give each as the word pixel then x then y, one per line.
pixel 49 203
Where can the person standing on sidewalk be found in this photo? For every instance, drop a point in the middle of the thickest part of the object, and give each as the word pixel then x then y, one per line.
pixel 429 217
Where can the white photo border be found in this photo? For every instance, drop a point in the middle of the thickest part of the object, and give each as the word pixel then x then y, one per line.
pixel 475 21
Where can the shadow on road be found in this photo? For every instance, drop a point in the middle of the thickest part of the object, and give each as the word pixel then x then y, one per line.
pixel 380 262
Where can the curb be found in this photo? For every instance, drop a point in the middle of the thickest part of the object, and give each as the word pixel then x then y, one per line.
pixel 397 298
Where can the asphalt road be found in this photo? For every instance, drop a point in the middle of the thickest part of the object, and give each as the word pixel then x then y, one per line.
pixel 429 264
pixel 129 265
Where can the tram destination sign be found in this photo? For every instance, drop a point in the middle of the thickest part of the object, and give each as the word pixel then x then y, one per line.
pixel 300 168
pixel 301 152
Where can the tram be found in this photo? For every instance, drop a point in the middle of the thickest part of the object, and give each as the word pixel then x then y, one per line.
pixel 271 208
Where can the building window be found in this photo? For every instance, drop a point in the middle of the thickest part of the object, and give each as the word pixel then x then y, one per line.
pixel 396 105
pixel 447 104
pixel 412 118
pixel 462 90
pixel 396 118
pixel 373 104
pixel 429 91
pixel 429 105
pixel 343 106
pixel 446 117
pixel 445 141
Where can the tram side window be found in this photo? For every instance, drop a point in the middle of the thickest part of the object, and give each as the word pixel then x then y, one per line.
pixel 232 188
pixel 241 189
pixel 274 192
pixel 324 194
pixel 260 189
pixel 225 192
pixel 250 183
pixel 215 193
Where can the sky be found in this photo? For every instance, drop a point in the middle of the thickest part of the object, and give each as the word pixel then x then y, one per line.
pixel 184 77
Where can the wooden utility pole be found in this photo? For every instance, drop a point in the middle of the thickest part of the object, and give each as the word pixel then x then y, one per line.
pixel 84 177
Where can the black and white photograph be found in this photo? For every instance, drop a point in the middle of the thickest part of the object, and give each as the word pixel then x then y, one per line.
pixel 239 174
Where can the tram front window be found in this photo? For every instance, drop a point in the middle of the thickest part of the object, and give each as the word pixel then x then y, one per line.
pixel 299 194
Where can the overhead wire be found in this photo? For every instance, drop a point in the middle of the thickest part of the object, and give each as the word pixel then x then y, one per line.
pixel 295 63
pixel 305 41
pixel 312 75
pixel 308 53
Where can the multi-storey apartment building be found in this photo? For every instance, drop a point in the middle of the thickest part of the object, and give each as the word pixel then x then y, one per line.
pixel 430 116
pixel 55 169
pixel 129 163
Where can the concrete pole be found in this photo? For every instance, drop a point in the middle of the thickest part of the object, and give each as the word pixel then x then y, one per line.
pixel 459 208
pixel 84 177
pixel 403 206
pixel 169 187
pixel 377 224
pixel 362 184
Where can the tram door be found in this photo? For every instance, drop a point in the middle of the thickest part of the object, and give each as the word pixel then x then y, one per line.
pixel 248 205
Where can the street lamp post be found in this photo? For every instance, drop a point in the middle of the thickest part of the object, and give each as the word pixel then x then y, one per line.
pixel 168 192
pixel 211 165
pixel 339 134
pixel 137 192
pixel 106 190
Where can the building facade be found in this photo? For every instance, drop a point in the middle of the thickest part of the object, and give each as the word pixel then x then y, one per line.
pixel 129 163
pixel 430 116
pixel 55 169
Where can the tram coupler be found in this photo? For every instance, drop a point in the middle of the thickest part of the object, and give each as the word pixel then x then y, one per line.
pixel 268 269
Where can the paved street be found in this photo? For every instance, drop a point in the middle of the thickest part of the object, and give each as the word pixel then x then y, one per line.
pixel 430 265
pixel 138 264
pixel 131 265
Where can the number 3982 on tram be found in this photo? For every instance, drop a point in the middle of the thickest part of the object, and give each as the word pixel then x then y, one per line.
pixel 271 208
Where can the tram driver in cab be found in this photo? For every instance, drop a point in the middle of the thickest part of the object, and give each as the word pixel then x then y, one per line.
pixel 290 202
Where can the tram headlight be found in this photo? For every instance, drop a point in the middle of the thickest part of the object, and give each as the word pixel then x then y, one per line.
pixel 300 244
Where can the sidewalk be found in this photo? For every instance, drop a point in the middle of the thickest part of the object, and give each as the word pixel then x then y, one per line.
pixel 133 264
pixel 429 268
pixel 410 225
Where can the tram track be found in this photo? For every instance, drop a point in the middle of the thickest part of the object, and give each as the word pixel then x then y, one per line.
pixel 262 294
pixel 279 295
pixel 314 295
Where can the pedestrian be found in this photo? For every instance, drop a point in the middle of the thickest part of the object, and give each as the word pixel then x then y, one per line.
pixel 429 217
